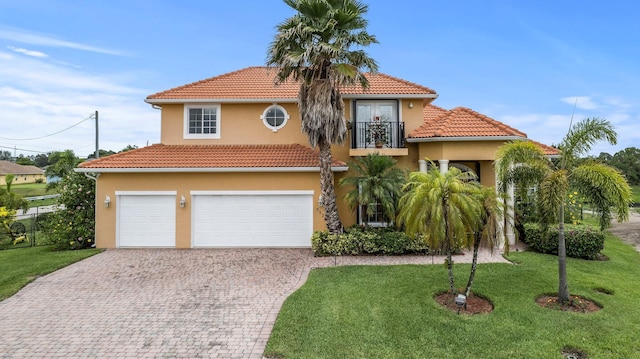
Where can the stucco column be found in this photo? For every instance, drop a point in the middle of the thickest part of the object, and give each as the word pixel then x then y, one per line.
pixel 422 165
pixel 444 166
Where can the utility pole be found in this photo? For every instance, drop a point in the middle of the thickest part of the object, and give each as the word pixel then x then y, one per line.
pixel 97 145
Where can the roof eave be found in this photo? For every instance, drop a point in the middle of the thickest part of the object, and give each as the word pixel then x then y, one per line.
pixel 219 100
pixel 207 169
pixel 390 95
pixel 465 138
pixel 160 101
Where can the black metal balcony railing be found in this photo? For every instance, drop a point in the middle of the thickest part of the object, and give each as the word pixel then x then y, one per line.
pixel 377 135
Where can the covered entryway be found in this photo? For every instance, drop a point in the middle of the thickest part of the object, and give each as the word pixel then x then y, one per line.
pixel 252 218
pixel 146 219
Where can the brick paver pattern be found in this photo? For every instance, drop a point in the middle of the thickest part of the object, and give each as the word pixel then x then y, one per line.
pixel 164 303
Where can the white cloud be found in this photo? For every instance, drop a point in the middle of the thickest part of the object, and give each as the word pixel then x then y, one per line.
pixel 27 37
pixel 28 52
pixel 581 102
pixel 42 97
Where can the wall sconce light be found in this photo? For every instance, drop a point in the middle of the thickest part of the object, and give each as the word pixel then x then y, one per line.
pixel 107 201
pixel 183 201
pixel 410 104
pixel 320 201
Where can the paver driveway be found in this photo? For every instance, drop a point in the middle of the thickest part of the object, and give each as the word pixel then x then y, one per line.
pixel 164 303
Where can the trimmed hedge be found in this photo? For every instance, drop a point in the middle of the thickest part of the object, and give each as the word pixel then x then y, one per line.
pixel 581 241
pixel 368 240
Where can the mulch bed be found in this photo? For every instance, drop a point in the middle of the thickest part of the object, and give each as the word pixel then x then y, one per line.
pixel 475 304
pixel 576 304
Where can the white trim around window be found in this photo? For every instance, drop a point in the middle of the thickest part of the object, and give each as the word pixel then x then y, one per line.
pixel 202 121
pixel 275 117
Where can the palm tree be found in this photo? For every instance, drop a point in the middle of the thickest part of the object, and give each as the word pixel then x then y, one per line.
pixel 376 182
pixel 443 208
pixel 9 199
pixel 488 228
pixel 524 164
pixel 315 47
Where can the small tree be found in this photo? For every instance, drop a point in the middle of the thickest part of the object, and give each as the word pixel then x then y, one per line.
pixel 60 165
pixel 376 182
pixel 524 164
pixel 73 227
pixel 488 227
pixel 442 207
pixel 9 199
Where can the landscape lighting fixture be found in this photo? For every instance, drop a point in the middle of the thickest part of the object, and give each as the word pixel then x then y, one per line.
pixel 461 301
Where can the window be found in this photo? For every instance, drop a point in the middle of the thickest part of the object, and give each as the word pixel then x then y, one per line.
pixel 275 117
pixel 377 218
pixel 202 121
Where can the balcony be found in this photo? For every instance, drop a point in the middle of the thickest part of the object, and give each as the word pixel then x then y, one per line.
pixel 386 138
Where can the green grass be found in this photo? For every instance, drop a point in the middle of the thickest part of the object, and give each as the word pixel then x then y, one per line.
pixel 33 190
pixel 19 267
pixel 389 311
pixel 30 189
pixel 636 193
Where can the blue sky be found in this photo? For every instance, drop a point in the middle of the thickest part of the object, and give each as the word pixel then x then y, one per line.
pixel 522 63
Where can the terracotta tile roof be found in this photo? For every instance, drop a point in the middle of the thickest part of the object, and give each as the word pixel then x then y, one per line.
pixel 461 122
pixel 7 167
pixel 211 156
pixel 431 112
pixel 548 150
pixel 258 83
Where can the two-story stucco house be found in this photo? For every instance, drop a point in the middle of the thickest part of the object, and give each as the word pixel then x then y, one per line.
pixel 233 168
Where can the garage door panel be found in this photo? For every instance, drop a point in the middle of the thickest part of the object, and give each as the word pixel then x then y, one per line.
pixel 146 221
pixel 252 220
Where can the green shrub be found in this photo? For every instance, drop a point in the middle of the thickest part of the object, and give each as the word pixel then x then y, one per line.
pixel 73 226
pixel 581 241
pixel 356 240
pixel 40 180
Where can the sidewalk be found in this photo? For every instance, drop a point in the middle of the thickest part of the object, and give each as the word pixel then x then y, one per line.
pixel 37 210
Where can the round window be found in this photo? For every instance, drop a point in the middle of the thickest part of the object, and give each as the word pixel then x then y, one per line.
pixel 275 117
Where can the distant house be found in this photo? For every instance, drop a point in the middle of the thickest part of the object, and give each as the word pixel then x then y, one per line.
pixel 234 169
pixel 24 174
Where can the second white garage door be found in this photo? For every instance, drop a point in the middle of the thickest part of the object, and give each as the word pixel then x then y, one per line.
pixel 252 219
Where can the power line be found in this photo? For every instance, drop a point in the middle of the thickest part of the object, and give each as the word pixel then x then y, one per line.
pixel 23 149
pixel 49 135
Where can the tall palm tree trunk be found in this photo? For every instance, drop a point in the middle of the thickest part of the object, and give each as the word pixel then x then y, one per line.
pixel 334 225
pixel 563 287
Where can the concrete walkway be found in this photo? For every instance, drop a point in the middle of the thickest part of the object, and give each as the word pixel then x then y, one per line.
pixel 165 303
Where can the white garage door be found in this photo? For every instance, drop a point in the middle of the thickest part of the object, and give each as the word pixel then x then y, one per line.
pixel 252 219
pixel 146 219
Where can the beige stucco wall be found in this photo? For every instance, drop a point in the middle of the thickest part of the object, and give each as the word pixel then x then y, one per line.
pixel 239 124
pixel 184 183
pixel 20 179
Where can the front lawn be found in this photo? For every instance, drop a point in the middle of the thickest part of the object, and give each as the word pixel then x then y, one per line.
pixel 19 267
pixel 30 189
pixel 389 311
